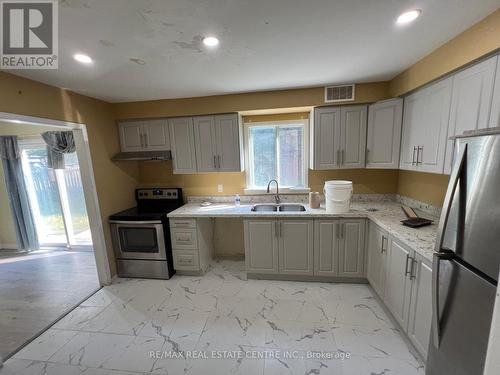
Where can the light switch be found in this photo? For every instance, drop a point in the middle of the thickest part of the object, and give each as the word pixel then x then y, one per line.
pixel 220 188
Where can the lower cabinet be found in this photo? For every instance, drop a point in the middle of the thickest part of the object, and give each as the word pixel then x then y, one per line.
pixel 403 279
pixel 305 247
pixel 397 282
pixel 419 325
pixel 295 246
pixel 261 246
pixel 378 243
pixel 192 244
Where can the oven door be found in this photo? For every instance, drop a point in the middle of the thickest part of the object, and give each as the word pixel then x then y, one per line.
pixel 138 240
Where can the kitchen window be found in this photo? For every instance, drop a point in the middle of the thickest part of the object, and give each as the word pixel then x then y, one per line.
pixel 276 150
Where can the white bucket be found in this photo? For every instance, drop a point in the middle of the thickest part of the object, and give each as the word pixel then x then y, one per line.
pixel 338 195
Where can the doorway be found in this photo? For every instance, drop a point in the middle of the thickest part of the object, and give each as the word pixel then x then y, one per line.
pixel 56 197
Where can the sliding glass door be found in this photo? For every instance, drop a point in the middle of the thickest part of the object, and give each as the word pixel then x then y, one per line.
pixel 56 198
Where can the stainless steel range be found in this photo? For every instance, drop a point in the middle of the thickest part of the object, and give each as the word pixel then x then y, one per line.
pixel 141 235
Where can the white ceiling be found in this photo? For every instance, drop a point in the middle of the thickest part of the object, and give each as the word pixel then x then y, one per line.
pixel 265 44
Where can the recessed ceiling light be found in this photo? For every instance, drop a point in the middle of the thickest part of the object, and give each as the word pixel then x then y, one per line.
pixel 210 41
pixel 408 17
pixel 82 58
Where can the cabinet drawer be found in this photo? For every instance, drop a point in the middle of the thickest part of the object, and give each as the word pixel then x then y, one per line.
pixel 184 238
pixel 186 260
pixel 182 223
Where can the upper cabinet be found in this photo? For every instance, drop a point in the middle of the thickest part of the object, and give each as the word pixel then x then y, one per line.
pixel 495 105
pixel 338 137
pixel 218 143
pixel 425 128
pixel 144 135
pixel 183 149
pixel 470 101
pixel 384 134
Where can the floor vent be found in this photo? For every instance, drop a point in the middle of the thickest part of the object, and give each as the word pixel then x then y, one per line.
pixel 338 94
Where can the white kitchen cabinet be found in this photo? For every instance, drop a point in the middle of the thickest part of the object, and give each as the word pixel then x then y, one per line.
pixel 425 127
pixel 218 143
pixel 295 246
pixel 384 134
pixel 378 242
pixel 205 141
pixel 326 247
pixel 183 145
pixel 351 248
pixel 326 138
pixel 261 246
pixel 495 104
pixel 419 325
pixel 144 135
pixel 338 137
pixel 470 101
pixel 397 283
pixel 352 136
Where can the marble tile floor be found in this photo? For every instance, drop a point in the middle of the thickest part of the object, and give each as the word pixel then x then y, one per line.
pixel 38 288
pixel 242 327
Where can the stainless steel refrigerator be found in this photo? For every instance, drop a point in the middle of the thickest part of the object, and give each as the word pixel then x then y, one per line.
pixel 466 264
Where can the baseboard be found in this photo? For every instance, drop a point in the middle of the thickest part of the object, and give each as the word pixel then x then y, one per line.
pixel 326 279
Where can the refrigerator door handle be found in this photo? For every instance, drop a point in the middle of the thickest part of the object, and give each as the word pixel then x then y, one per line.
pixel 435 294
pixel 450 193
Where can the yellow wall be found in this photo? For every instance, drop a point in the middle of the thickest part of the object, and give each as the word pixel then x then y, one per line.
pixel 425 187
pixel 365 93
pixel 481 39
pixel 115 181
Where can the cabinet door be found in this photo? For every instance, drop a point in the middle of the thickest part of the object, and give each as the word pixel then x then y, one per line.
pixel 156 135
pixel 413 116
pixel 434 129
pixel 353 137
pixel 352 248
pixel 495 105
pixel 227 130
pixel 326 129
pixel 397 282
pixel 470 101
pixel 205 141
pixel 296 246
pixel 384 134
pixel 326 248
pixel 261 246
pixel 419 327
pixel 182 142
pixel 377 250
pixel 131 136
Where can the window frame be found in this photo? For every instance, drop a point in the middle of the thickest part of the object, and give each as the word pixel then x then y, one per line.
pixel 248 170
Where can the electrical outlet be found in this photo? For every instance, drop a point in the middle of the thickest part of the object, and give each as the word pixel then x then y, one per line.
pixel 220 188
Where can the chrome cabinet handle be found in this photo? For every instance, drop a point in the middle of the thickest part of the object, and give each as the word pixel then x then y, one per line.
pixel 408 257
pixel 215 162
pixel 419 148
pixel 382 248
pixel 413 276
pixel 218 161
pixel 413 155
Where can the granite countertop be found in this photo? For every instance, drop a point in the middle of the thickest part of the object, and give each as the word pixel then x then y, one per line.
pixel 386 214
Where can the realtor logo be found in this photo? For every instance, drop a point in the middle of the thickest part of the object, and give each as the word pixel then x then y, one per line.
pixel 29 34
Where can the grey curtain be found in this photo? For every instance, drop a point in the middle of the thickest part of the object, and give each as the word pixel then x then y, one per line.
pixel 58 144
pixel 27 238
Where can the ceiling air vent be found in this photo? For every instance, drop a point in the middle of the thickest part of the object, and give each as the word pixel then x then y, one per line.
pixel 338 94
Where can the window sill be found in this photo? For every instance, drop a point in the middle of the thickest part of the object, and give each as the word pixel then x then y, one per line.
pixel 253 191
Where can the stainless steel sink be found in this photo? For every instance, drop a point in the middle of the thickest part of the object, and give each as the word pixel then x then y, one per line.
pixel 264 208
pixel 292 207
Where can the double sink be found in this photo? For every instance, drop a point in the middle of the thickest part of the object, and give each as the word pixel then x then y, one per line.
pixel 278 208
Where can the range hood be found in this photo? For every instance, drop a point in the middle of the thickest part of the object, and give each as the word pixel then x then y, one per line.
pixel 143 156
